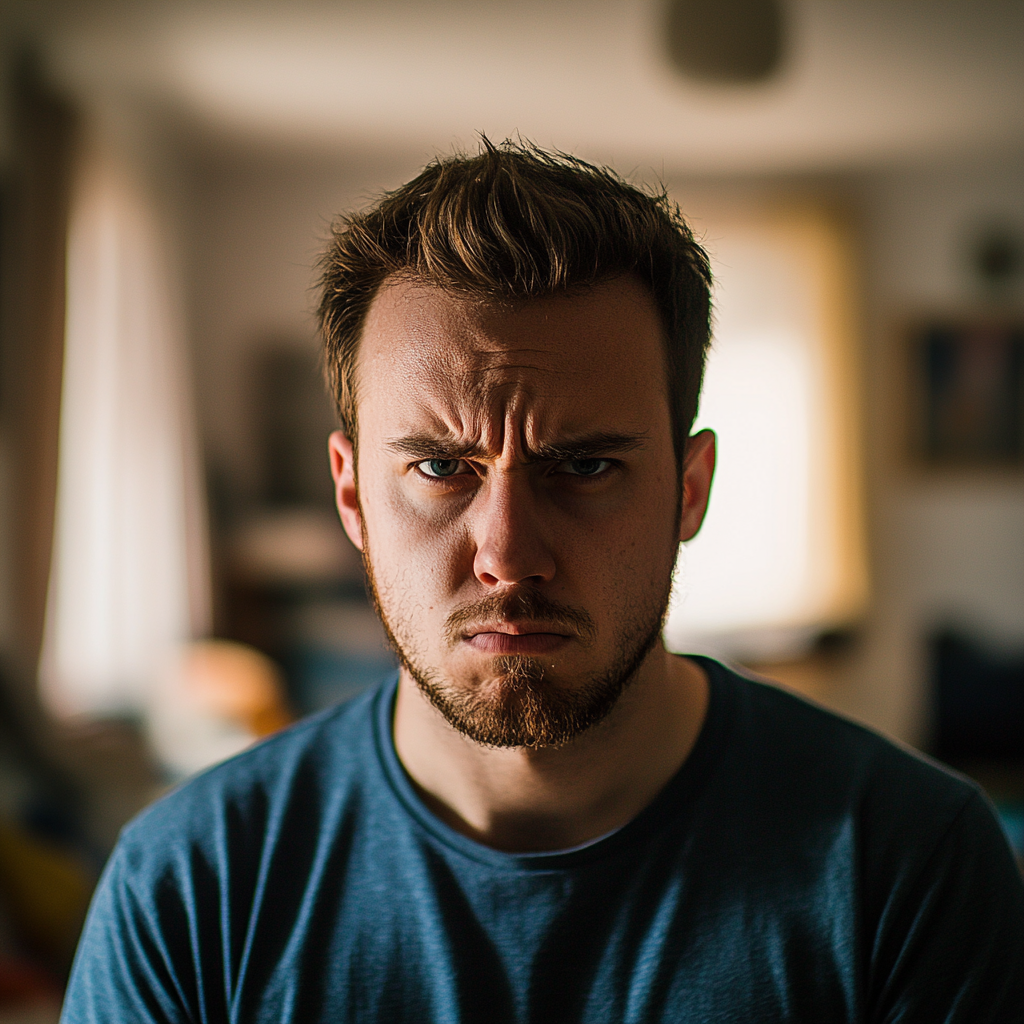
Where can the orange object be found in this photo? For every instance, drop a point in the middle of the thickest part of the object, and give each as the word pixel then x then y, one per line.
pixel 236 682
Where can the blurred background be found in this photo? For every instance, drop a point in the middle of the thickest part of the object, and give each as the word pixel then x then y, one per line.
pixel 174 583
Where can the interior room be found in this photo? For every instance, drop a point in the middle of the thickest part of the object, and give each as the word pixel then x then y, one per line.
pixel 174 581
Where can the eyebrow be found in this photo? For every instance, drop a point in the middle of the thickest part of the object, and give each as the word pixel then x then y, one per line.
pixel 586 446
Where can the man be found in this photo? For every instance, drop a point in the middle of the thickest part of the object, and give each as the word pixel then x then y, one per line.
pixel 545 817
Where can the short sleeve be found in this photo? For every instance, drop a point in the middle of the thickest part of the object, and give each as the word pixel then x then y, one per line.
pixel 949 944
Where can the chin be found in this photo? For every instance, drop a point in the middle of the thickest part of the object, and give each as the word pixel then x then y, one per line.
pixel 503 676
pixel 519 703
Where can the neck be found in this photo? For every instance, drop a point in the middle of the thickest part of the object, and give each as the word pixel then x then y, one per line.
pixel 522 799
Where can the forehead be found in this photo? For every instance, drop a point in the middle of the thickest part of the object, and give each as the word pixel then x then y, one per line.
pixel 571 360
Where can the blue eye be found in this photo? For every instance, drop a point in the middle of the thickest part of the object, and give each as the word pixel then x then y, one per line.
pixel 439 468
pixel 585 467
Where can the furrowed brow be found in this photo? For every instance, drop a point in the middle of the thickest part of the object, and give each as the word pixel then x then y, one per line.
pixel 589 446
pixel 427 446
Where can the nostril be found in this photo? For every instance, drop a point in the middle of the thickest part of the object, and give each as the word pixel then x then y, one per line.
pixel 493 572
pixel 510 549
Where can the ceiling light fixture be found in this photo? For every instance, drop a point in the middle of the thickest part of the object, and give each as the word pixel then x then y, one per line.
pixel 725 41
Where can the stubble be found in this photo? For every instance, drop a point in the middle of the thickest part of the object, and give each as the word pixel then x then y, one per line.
pixel 519 705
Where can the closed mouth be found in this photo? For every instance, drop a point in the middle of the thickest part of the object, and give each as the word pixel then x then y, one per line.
pixel 516 637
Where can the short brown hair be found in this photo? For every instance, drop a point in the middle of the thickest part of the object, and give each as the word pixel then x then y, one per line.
pixel 517 222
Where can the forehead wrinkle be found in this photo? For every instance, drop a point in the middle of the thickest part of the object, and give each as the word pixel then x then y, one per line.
pixel 465 429
pixel 459 421
pixel 476 408
pixel 518 358
pixel 513 390
pixel 500 358
pixel 524 372
pixel 470 372
pixel 495 418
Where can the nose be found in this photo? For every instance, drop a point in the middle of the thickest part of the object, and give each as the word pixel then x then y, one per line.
pixel 511 544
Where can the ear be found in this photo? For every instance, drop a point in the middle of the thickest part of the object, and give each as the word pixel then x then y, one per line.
pixel 343 469
pixel 698 469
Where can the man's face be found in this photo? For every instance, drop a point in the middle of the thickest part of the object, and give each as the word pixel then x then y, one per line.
pixel 517 499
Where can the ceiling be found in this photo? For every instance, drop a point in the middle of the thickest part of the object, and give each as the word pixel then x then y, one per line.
pixel 863 82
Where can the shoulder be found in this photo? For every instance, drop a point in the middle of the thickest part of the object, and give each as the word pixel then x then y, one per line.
pixel 790 764
pixel 236 844
pixel 320 761
pixel 804 742
pixel 909 846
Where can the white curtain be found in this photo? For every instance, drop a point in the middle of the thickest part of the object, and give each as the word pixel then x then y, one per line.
pixel 129 580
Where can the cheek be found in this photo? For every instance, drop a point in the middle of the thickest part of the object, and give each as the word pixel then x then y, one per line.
pixel 412 552
pixel 639 558
pixel 637 555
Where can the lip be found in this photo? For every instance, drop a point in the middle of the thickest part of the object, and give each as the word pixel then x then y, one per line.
pixel 514 638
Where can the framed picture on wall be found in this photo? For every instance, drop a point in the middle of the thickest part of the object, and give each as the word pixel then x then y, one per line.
pixel 968 383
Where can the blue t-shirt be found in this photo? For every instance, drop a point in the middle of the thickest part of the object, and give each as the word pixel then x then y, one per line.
pixel 798 867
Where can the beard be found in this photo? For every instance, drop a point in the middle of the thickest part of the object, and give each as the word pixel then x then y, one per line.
pixel 519 706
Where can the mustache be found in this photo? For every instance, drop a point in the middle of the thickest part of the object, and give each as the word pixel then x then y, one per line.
pixel 515 605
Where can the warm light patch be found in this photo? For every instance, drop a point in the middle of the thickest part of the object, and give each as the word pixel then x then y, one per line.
pixel 781 554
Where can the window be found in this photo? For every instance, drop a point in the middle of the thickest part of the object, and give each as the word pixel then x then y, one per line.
pixel 781 556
